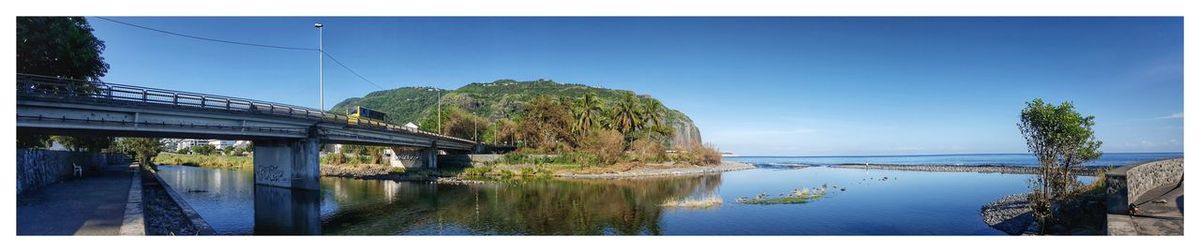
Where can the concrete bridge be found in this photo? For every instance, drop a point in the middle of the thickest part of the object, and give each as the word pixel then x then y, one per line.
pixel 286 138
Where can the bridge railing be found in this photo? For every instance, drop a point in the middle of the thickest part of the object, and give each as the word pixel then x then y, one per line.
pixel 97 91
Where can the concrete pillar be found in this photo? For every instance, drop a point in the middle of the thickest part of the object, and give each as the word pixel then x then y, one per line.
pixel 288 163
pixel 431 155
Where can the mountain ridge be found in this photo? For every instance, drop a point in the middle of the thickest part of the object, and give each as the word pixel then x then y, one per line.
pixel 500 99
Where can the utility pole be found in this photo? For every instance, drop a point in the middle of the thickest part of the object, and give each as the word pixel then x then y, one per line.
pixel 321 57
pixel 439 108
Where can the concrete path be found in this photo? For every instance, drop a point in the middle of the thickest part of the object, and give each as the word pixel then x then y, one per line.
pixel 1160 213
pixel 91 205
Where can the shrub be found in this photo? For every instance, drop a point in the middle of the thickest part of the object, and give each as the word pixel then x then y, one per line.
pixel 606 145
pixel 647 150
pixel 477 171
pixel 697 154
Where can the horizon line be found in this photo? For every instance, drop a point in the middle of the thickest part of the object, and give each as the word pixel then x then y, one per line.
pixel 954 154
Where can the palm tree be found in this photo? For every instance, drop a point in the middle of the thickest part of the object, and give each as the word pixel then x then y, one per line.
pixel 653 112
pixel 587 108
pixel 654 117
pixel 627 114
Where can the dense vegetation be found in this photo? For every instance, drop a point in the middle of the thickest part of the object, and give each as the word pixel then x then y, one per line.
pixel 500 102
pixel 578 124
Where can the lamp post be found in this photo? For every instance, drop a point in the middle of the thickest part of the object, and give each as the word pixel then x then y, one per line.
pixel 321 57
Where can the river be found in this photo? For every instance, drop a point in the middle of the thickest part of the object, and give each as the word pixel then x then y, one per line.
pixel 884 202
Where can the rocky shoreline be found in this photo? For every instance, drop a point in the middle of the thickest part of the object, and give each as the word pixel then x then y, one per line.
pixel 644 172
pixel 1010 214
pixel 163 216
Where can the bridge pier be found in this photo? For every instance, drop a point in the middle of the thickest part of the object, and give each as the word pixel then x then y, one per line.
pixel 288 163
pixel 431 155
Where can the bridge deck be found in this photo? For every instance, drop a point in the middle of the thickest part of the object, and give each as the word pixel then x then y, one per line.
pixel 66 106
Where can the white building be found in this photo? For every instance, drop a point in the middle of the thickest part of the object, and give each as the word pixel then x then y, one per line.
pixel 221 144
pixel 183 144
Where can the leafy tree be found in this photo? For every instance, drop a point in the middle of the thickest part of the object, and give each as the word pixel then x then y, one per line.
pixel 204 149
pixel 59 47
pixel 243 150
pixel 87 143
pixel 546 125
pixel 458 122
pixel 142 149
pixel 32 141
pixel 1061 139
pixel 503 131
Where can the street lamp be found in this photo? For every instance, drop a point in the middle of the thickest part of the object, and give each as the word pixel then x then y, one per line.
pixel 321 57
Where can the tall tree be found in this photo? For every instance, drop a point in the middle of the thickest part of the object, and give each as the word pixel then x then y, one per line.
pixel 626 114
pixel 59 47
pixel 587 108
pixel 1061 139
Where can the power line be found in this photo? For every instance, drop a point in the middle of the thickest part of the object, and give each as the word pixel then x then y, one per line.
pixel 208 39
pixel 339 63
pixel 351 70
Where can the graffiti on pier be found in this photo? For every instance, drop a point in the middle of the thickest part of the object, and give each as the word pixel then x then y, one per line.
pixel 270 174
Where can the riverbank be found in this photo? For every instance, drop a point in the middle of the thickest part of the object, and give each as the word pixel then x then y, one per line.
pixel 661 170
pixel 459 175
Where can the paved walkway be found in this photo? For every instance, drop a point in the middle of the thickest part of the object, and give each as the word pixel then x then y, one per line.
pixel 92 205
pixel 1160 213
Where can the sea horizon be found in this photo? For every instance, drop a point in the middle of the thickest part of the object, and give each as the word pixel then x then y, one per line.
pixel 735 155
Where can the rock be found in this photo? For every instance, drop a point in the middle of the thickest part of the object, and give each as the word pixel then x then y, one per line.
pixel 1010 214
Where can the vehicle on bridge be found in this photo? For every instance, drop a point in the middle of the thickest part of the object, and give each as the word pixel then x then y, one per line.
pixel 357 113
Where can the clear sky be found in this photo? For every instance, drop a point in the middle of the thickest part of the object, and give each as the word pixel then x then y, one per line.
pixel 754 86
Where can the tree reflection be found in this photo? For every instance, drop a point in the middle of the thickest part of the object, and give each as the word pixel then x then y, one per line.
pixel 540 208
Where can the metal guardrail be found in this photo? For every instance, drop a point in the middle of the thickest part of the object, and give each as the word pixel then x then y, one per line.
pixel 29 85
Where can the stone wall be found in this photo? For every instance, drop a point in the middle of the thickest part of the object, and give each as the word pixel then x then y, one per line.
pixel 37 168
pixel 1127 184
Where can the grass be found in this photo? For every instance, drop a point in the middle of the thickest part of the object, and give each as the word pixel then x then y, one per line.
pixel 507 172
pixel 210 161
pixel 709 202
pixel 797 196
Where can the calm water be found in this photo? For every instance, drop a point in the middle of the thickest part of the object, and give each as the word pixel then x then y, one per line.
pixel 1027 160
pixel 906 203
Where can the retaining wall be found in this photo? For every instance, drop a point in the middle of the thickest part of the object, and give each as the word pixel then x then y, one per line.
pixel 37 168
pixel 1126 185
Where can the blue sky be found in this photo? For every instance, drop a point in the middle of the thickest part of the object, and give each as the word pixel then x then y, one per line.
pixel 754 86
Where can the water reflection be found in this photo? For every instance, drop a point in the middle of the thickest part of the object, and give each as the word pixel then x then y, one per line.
pixel 543 207
pixel 232 204
pixel 286 211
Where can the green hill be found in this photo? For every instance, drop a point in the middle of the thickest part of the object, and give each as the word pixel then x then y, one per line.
pixel 495 100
